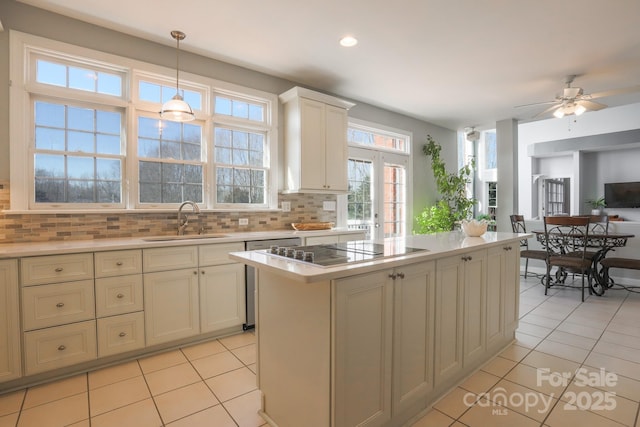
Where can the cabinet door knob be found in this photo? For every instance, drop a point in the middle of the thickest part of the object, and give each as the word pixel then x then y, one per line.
pixel 469 258
pixel 195 272
pixel 122 334
pixel 393 276
pixel 60 305
pixel 58 269
pixel 202 271
pixel 120 296
pixel 61 348
pixel 119 263
pixel 401 275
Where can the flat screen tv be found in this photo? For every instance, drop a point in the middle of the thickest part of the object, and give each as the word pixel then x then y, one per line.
pixel 622 194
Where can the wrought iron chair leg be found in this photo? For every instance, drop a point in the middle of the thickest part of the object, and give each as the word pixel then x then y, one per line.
pixel 526 267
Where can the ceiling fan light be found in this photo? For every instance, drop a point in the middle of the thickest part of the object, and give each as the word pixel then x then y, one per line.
pixel 559 113
pixel 579 110
pixel 177 110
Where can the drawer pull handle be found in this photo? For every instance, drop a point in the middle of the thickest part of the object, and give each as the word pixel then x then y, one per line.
pixel 60 305
pixel 122 334
pixel 119 263
pixel 120 296
pixel 62 348
pixel 58 269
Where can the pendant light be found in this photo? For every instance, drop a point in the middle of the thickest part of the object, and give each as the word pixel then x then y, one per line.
pixel 176 109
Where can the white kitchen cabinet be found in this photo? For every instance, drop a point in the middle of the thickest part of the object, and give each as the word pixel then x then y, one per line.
pixel 60 346
pixel 363 344
pixel 222 287
pixel 384 331
pixel 315 142
pixel 171 309
pixel 118 334
pixel 56 268
pixel 10 366
pixel 449 297
pixel 414 306
pixel 57 304
pixel 118 263
pixel 119 295
pixel 475 301
pixel 222 298
pixel 510 282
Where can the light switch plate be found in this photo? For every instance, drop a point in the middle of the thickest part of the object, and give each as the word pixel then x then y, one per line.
pixel 286 206
pixel 329 206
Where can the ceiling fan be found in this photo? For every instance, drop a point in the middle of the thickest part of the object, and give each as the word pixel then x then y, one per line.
pixel 574 101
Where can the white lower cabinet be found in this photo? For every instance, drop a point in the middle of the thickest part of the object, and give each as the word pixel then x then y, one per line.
pixel 171 309
pixel 475 311
pixel 414 309
pixel 10 355
pixel 503 269
pixel 118 334
pixel 222 297
pixel 60 346
pixel 384 335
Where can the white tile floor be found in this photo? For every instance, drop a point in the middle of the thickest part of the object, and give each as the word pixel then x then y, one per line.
pixel 213 384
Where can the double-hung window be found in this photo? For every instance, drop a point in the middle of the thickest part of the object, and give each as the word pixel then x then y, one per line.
pixel 86 134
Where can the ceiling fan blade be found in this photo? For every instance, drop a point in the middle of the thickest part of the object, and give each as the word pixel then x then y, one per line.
pixel 614 92
pixel 555 101
pixel 590 105
pixel 548 110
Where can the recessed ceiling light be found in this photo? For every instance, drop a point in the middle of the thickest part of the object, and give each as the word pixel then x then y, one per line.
pixel 348 41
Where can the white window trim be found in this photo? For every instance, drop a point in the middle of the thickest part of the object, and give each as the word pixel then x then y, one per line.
pixel 385 130
pixel 20 46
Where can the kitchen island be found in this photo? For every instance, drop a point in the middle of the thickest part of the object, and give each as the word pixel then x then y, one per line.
pixel 378 342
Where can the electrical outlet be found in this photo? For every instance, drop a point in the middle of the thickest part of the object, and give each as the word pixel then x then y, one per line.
pixel 329 206
pixel 243 221
pixel 286 206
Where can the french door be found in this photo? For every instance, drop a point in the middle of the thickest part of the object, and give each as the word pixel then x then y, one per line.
pixel 377 200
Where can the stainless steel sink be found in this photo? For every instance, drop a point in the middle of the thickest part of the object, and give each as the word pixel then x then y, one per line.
pixel 184 237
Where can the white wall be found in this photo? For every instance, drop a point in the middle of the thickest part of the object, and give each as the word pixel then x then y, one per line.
pixel 599 162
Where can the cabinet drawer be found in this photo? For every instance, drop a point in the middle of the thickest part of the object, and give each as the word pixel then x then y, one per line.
pixel 321 240
pixel 172 258
pixel 118 263
pixel 54 348
pixel 118 295
pixel 219 253
pixel 56 268
pixel 119 334
pixel 52 305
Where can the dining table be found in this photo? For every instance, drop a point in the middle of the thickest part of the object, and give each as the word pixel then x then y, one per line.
pixel 601 244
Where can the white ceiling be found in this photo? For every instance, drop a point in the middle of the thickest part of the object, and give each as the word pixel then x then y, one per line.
pixel 455 63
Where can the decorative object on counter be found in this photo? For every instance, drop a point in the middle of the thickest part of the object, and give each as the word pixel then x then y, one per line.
pixel 454 205
pixel 473 227
pixel 176 109
pixel 597 205
pixel 309 226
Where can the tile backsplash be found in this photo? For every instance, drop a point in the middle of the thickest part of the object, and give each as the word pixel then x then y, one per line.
pixel 83 226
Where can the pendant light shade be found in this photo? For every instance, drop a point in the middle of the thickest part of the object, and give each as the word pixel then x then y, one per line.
pixel 176 109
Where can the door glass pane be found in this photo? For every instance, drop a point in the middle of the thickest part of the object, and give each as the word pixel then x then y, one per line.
pixel 394 200
pixel 360 198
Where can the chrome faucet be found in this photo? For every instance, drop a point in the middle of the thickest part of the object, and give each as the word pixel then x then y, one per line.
pixel 183 222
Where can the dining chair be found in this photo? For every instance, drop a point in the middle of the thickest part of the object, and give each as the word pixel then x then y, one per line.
pixel 566 240
pixel 518 226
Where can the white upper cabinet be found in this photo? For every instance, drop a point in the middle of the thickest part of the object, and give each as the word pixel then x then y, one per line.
pixel 315 142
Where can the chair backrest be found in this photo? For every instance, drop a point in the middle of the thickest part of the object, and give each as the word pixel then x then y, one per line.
pixel 598 224
pixel 566 234
pixel 518 226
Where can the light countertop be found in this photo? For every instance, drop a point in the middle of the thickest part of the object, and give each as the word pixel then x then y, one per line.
pixel 436 245
pixel 16 250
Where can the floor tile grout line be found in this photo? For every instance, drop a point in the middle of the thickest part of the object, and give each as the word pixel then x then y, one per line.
pixel 155 405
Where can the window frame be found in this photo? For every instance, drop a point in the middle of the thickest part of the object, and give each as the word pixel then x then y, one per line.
pixel 24 51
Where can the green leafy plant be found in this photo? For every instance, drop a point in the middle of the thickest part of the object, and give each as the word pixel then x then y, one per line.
pixel 483 216
pixel 453 205
pixel 598 203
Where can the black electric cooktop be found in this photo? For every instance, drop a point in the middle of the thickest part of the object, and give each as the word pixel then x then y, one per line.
pixel 344 253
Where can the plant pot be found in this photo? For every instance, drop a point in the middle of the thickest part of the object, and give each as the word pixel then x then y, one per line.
pixel 596 211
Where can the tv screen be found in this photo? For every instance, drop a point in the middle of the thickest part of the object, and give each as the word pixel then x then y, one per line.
pixel 622 195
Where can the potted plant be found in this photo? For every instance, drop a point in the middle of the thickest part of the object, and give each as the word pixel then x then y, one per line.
pixel 597 205
pixel 453 205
